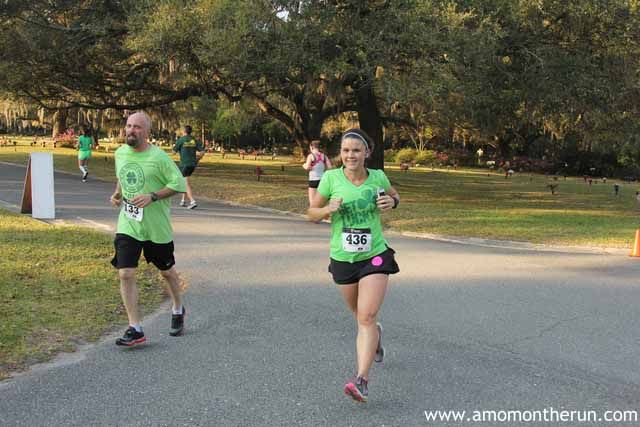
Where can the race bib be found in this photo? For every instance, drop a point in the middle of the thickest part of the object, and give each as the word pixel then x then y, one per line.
pixel 356 239
pixel 132 211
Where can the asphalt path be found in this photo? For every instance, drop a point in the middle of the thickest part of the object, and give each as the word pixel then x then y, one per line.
pixel 269 341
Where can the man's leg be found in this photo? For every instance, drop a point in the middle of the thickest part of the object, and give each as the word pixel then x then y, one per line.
pixel 129 292
pixel 173 280
pixel 189 193
pixel 178 310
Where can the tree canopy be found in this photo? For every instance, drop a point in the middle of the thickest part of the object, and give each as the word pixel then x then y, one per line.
pixel 522 77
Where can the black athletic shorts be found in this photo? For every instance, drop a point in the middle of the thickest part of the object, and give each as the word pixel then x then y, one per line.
pixel 187 170
pixel 128 252
pixel 314 184
pixel 346 273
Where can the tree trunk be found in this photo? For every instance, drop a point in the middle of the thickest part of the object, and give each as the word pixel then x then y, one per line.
pixel 59 122
pixel 371 123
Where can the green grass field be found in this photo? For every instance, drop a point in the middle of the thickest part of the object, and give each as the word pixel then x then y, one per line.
pixel 460 203
pixel 58 289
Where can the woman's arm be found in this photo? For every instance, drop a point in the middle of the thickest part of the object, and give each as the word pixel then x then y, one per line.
pixel 327 162
pixel 389 201
pixel 307 164
pixel 320 209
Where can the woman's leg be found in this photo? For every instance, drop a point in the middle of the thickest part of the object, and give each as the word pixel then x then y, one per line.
pixel 371 291
pixel 350 295
pixel 312 194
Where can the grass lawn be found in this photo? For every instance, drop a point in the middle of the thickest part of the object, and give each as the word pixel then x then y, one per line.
pixel 466 202
pixel 58 289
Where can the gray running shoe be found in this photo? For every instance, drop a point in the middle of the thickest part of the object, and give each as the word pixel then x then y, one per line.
pixel 183 203
pixel 177 323
pixel 380 350
pixel 192 205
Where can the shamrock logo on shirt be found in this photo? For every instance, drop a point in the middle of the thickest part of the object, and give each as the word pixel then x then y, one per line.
pixel 131 178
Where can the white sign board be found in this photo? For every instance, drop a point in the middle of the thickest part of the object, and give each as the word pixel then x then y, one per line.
pixel 38 197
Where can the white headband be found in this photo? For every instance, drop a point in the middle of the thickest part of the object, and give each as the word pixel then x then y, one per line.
pixel 357 136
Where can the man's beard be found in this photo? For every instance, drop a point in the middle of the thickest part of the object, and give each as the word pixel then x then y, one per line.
pixel 132 141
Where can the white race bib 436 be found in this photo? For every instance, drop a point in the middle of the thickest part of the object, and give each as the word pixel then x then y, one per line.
pixel 356 239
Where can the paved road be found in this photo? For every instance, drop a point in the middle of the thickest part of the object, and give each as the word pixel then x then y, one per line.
pixel 269 341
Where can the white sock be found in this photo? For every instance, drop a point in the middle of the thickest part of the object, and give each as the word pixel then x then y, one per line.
pixel 82 169
pixel 137 327
pixel 176 311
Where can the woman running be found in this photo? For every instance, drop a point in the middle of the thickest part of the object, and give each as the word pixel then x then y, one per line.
pixel 317 162
pixel 360 260
pixel 85 144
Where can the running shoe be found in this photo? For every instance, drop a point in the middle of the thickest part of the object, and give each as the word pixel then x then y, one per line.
pixel 192 205
pixel 131 338
pixel 183 204
pixel 358 389
pixel 177 323
pixel 380 349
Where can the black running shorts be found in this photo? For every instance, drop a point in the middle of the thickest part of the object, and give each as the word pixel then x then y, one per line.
pixel 314 184
pixel 187 170
pixel 346 273
pixel 128 252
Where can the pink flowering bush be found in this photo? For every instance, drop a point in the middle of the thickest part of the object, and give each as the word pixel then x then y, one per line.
pixel 67 139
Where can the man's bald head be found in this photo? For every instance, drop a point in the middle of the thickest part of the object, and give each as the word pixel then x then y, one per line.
pixel 138 128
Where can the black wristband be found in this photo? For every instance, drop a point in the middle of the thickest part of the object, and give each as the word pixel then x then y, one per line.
pixel 154 197
pixel 396 202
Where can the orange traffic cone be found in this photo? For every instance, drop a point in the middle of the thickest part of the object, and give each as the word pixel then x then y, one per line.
pixel 635 251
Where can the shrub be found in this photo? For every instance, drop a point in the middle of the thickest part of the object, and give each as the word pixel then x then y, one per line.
pixel 426 157
pixel 390 155
pixel 406 155
pixel 67 139
pixel 442 158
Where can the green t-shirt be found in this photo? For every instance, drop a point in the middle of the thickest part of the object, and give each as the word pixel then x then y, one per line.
pixel 85 143
pixel 187 147
pixel 142 173
pixel 358 211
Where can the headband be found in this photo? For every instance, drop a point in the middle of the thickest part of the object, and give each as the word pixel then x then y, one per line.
pixel 357 136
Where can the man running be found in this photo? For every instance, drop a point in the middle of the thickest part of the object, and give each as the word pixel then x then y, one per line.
pixel 146 179
pixel 191 151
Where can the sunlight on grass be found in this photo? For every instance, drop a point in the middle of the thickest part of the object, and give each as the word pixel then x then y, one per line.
pixel 454 202
pixel 58 290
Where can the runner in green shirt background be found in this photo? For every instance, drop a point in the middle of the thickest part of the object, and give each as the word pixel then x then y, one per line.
pixel 147 178
pixel 191 151
pixel 84 145
pixel 360 260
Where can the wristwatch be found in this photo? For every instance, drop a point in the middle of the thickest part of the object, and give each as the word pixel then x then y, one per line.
pixel 154 197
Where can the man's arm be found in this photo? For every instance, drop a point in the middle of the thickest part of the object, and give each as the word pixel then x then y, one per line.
pixel 144 200
pixel 200 151
pixel 116 197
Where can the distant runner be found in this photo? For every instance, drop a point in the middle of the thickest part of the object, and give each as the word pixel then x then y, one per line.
pixel 191 151
pixel 85 144
pixel 317 163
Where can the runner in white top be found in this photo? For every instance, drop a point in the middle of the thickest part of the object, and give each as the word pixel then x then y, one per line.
pixel 317 162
